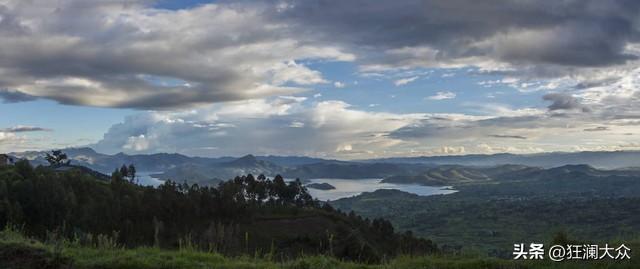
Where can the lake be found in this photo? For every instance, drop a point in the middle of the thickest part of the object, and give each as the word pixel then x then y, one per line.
pixel 352 187
pixel 344 187
pixel 145 179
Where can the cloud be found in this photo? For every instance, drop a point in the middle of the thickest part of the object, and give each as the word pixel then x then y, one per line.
pixel 597 129
pixel 296 124
pixel 281 126
pixel 561 101
pixel 334 129
pixel 24 128
pixel 6 136
pixel 442 95
pixel 25 138
pixel 137 143
pixel 404 81
pixel 508 136
pixel 452 127
pixel 448 33
pixel 296 73
pixel 132 55
pixel 221 78
pixel 10 141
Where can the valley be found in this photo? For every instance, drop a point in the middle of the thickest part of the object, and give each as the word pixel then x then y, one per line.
pixel 460 209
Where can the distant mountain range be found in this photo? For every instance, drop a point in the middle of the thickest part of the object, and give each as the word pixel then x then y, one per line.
pixel 158 162
pixel 598 159
pixel 423 169
pixel 445 175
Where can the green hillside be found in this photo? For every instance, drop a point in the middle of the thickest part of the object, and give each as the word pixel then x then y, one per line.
pixel 69 219
pixel 243 216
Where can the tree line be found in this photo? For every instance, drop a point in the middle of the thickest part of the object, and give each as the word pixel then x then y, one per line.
pixel 244 215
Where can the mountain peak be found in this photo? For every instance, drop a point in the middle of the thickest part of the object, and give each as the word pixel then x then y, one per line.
pixel 248 159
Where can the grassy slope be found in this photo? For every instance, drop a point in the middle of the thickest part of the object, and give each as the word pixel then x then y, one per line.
pixel 19 252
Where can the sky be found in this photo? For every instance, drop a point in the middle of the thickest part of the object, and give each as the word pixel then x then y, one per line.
pixel 332 79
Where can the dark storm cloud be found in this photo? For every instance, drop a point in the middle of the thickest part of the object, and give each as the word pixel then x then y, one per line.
pixel 568 33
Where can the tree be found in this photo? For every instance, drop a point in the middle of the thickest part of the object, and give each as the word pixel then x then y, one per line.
pixel 124 171
pixel 57 157
pixel 279 189
pixel 24 168
pixel 132 173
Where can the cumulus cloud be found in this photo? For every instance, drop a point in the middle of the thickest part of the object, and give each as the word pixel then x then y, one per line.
pixel 296 126
pixel 443 95
pixel 284 126
pixel 137 143
pixel 339 84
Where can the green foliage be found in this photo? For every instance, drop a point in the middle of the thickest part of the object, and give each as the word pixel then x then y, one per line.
pixel 489 216
pixel 243 216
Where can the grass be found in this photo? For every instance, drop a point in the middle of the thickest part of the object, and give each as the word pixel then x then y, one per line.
pixel 20 252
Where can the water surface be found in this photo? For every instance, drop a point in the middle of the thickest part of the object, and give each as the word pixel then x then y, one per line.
pixel 145 179
pixel 343 187
pixel 352 187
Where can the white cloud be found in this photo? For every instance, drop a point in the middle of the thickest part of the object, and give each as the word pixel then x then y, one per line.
pixel 315 129
pixel 335 129
pixel 7 136
pixel 442 95
pixel 447 75
pixel 10 141
pixel 339 84
pixel 299 74
pixel 137 143
pixel 404 81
